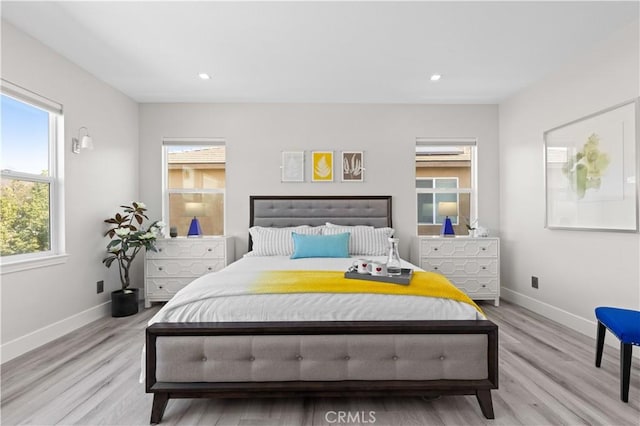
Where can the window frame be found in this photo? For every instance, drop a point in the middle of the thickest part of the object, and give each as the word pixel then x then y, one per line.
pixel 166 191
pixel 472 190
pixel 434 191
pixel 56 253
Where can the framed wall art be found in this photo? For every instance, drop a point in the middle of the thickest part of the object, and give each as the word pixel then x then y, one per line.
pixel 292 166
pixel 591 171
pixel 322 166
pixel 352 166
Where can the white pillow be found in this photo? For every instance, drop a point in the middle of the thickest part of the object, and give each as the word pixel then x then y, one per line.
pixel 365 240
pixel 276 241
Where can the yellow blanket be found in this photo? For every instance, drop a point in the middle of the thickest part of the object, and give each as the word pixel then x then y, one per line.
pixel 426 284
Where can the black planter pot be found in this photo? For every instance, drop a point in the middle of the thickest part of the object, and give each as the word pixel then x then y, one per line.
pixel 124 302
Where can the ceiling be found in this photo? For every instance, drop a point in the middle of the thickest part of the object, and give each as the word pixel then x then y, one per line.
pixel 346 52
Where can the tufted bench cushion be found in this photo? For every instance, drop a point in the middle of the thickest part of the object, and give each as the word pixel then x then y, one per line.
pixel 623 323
pixel 321 357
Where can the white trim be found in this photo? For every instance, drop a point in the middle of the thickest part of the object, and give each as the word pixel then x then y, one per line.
pixel 446 141
pixel 166 191
pixel 574 322
pixel 28 177
pixel 35 339
pixel 473 191
pixel 195 191
pixel 443 190
pixel 24 264
pixel 21 94
pixel 58 213
pixel 474 196
pixel 194 141
pixel 55 180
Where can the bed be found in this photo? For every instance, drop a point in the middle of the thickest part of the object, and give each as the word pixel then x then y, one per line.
pixel 196 350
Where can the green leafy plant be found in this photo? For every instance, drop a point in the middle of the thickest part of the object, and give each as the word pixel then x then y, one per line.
pixel 128 237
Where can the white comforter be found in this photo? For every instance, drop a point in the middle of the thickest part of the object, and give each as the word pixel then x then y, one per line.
pixel 201 301
pixel 207 300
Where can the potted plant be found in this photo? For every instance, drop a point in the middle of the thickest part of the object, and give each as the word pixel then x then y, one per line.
pixel 128 236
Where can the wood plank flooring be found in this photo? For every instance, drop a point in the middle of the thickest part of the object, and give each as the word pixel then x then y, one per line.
pixel 547 377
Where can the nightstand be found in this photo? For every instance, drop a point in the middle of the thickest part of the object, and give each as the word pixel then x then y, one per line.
pixel 179 261
pixel 471 264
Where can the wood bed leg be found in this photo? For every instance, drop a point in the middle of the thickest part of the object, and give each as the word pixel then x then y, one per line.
pixel 159 404
pixel 484 399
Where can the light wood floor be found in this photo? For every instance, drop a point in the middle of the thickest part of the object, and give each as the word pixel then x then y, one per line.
pixel 547 377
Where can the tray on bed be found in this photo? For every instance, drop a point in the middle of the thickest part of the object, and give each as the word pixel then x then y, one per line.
pixel 404 278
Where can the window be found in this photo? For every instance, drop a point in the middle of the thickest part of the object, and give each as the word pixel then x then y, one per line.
pixel 31 196
pixel 428 202
pixel 194 176
pixel 445 172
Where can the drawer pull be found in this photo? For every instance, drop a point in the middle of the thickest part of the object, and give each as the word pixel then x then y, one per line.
pixel 484 286
pixel 159 249
pixel 484 248
pixel 435 268
pixel 159 268
pixel 209 249
pixel 210 268
pixel 484 267
pixel 435 249
pixel 160 287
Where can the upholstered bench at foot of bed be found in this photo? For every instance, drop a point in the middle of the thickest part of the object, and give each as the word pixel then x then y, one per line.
pixel 321 358
pixel 309 359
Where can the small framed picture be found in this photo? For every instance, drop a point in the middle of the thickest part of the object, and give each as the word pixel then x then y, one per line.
pixel 322 166
pixel 352 166
pixel 292 166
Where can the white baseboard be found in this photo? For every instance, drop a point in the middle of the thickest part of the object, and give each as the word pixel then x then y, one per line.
pixel 28 342
pixel 579 324
pixel 574 322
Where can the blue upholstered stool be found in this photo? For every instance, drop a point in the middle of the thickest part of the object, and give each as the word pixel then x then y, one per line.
pixel 625 324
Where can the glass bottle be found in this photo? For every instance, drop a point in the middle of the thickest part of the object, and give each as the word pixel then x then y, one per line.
pixel 393 262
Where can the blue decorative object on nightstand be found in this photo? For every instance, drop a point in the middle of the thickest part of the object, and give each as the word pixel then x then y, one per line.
pixel 194 228
pixel 194 209
pixel 447 228
pixel 447 208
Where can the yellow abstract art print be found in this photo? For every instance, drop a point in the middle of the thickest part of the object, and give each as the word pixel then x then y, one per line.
pixel 322 166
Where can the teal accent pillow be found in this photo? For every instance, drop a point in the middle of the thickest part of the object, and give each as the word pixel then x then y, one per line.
pixel 320 245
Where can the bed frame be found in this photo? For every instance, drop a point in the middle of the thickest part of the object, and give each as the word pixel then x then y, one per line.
pixel 439 351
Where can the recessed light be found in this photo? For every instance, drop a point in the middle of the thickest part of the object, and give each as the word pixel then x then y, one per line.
pixel 204 76
pixel 435 77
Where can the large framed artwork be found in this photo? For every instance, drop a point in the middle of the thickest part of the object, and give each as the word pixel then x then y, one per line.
pixel 292 166
pixel 322 166
pixel 591 171
pixel 352 166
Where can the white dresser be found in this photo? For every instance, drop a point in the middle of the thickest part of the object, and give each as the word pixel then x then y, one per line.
pixel 179 261
pixel 471 264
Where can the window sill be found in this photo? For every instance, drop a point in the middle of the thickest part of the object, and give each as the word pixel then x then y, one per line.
pixel 26 264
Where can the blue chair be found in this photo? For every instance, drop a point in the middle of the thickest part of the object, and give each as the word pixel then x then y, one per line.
pixel 625 325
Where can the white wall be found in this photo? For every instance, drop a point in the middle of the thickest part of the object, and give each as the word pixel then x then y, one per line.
pixel 578 270
pixel 42 304
pixel 257 133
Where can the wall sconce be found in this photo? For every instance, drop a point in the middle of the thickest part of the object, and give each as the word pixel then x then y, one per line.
pixel 447 208
pixel 86 142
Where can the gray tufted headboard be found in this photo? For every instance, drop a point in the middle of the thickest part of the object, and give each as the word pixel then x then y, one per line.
pixel 282 211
